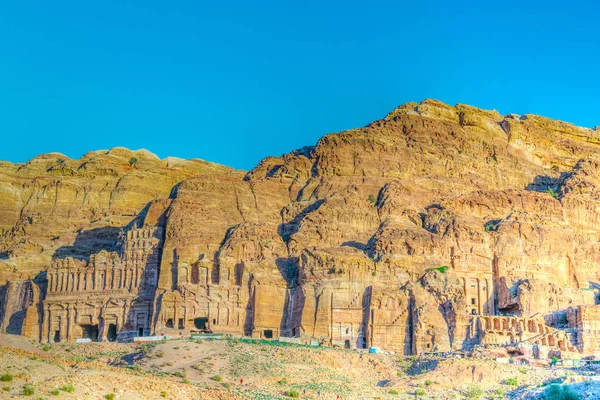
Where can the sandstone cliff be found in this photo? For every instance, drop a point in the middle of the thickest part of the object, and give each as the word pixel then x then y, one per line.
pixel 401 234
pixel 55 207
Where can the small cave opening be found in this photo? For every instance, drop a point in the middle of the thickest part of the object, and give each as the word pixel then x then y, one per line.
pixel 200 323
pixel 512 309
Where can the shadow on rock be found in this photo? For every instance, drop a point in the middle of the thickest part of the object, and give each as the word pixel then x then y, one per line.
pixel 90 242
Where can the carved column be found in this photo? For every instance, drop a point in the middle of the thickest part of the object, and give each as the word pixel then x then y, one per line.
pixel 95 279
pixel 69 321
pixel 89 282
pixel 46 324
pixel 67 281
pixel 126 309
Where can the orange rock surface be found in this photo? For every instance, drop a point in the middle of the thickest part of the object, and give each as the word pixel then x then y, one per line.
pixel 405 234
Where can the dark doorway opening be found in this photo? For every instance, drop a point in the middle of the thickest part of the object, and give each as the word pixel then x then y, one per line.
pixel 364 343
pixel 200 323
pixel 170 323
pixel 90 332
pixel 140 331
pixel 111 335
pixel 56 336
pixel 214 321
pixel 181 325
pixel 346 344
pixel 268 333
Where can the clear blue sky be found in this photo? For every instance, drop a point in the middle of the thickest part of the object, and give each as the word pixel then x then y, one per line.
pixel 235 81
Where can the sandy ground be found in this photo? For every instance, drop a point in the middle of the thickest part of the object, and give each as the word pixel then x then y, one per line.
pixel 234 369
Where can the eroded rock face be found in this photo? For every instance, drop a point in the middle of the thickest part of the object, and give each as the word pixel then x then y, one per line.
pixel 56 207
pixel 405 234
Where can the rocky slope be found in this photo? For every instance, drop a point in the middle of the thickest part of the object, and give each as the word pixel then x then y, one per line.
pixel 183 369
pixel 395 234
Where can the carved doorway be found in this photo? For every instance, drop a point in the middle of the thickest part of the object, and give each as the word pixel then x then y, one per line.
pixel 200 323
pixel 90 332
pixel 111 335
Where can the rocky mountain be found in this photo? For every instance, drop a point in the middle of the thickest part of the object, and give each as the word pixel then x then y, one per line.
pixel 434 228
pixel 54 207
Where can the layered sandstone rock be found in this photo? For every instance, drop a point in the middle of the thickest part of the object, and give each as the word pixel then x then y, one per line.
pixel 404 234
pixel 55 207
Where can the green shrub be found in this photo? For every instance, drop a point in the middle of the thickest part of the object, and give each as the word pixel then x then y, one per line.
pixel 372 199
pixel 512 382
pixel 46 347
pixel 474 392
pixel 441 269
pixel 6 388
pixel 491 226
pixel 523 370
pixel 283 381
pixel 159 354
pixel 69 388
pixel 500 393
pixel 163 394
pixel 420 392
pixel 110 396
pixel 60 160
pixel 552 192
pixel 428 382
pixel 28 390
pixel 560 392
pixel 55 392
pixel 293 393
pixel 133 161
pixel 217 378
pixel 6 378
pixel 393 391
